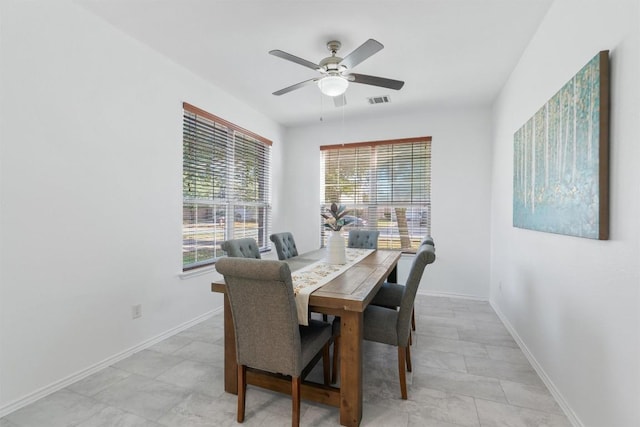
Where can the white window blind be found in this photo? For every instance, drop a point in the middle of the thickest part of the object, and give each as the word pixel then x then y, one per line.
pixel 226 186
pixel 385 185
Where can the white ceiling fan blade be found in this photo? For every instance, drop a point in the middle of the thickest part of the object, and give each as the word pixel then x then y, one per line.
pixel 293 58
pixel 340 100
pixel 375 81
pixel 361 53
pixel 295 86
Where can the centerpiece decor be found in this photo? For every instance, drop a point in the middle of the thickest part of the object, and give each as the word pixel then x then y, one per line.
pixel 334 220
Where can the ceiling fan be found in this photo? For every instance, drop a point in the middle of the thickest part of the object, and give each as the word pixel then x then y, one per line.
pixel 336 71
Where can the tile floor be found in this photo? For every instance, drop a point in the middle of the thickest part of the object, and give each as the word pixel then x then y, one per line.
pixel 467 371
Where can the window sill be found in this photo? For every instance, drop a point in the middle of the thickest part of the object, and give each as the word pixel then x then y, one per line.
pixel 197 272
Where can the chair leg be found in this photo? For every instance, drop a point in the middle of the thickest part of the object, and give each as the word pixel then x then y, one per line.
pixel 336 359
pixel 413 319
pixel 408 358
pixel 295 401
pixel 242 391
pixel 326 364
pixel 401 367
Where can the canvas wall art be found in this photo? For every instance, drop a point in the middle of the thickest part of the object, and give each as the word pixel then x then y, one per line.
pixel 561 159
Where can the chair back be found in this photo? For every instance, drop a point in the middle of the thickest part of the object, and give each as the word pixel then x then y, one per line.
pixel 264 314
pixel 241 248
pixel 426 255
pixel 364 239
pixel 285 245
pixel 428 241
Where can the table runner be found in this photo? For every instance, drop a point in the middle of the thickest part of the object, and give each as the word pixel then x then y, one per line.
pixel 308 279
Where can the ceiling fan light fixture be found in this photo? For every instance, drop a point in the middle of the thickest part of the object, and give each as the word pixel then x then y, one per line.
pixel 333 85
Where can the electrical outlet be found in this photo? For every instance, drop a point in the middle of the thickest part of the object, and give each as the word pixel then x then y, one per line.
pixel 136 311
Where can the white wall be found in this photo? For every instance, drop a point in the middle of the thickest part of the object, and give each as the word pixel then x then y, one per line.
pixel 461 171
pixel 90 203
pixel 90 194
pixel 573 303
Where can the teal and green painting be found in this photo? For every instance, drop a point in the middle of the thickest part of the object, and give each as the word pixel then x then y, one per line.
pixel 560 159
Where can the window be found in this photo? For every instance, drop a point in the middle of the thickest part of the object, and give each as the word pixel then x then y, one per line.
pixel 385 185
pixel 226 186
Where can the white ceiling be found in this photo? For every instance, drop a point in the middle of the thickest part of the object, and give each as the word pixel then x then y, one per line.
pixel 448 52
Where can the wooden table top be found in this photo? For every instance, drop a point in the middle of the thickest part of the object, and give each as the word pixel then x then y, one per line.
pixel 352 290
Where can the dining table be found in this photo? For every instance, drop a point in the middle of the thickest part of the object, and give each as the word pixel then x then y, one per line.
pixel 345 296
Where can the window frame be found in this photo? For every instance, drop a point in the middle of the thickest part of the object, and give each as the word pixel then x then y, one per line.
pixel 363 170
pixel 222 152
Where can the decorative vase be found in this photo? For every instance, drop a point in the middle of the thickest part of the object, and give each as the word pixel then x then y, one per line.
pixel 336 248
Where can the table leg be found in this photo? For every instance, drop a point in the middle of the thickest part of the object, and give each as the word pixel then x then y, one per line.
pixel 393 276
pixel 230 366
pixel 351 368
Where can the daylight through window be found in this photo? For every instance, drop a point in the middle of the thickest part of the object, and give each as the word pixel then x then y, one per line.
pixel 226 186
pixel 385 185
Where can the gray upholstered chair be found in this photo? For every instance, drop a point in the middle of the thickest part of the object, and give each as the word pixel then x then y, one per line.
pixel 393 326
pixel 390 294
pixel 241 248
pixel 285 245
pixel 429 241
pixel 365 239
pixel 270 340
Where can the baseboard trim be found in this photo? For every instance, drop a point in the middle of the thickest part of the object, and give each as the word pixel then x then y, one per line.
pixel 573 418
pixel 451 295
pixel 65 382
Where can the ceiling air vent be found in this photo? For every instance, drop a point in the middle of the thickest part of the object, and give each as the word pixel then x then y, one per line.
pixel 379 100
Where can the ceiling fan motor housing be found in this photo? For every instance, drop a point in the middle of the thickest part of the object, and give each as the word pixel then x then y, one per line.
pixel 331 64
